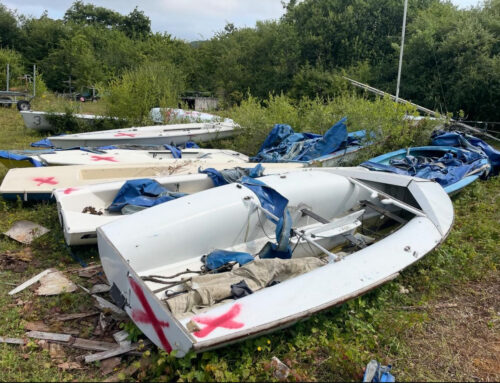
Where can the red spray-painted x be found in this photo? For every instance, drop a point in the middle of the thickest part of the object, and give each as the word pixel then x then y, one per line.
pixel 148 316
pixel 121 134
pixel 45 180
pixel 104 158
pixel 225 321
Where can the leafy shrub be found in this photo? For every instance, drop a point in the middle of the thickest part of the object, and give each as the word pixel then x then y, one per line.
pixel 138 90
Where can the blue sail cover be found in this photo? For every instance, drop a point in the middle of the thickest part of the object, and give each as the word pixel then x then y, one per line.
pixel 143 192
pixel 20 156
pixel 451 167
pixel 467 141
pixel 44 143
pixel 219 258
pixel 275 203
pixel 284 145
pixel 227 176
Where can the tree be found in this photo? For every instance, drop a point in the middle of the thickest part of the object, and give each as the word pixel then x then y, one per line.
pixel 9 30
pixel 136 24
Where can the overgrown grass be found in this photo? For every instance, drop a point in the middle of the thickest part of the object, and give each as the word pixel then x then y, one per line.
pixel 334 345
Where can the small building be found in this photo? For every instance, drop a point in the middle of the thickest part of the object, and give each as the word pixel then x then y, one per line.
pixel 199 102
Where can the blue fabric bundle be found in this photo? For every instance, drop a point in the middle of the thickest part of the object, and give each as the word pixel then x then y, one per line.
pixel 284 145
pixel 227 176
pixel 143 192
pixel 469 142
pixel 219 258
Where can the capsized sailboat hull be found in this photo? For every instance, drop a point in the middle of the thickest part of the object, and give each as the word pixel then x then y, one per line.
pixel 230 218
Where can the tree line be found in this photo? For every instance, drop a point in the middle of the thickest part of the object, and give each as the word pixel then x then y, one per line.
pixel 451 60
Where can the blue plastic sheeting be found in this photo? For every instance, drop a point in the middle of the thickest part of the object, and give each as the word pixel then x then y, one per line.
pixel 219 258
pixel 19 157
pixel 284 145
pixel 468 142
pixel 143 192
pixel 275 203
pixel 451 167
pixel 45 143
pixel 375 373
pixel 191 145
pixel 227 176
pixel 176 152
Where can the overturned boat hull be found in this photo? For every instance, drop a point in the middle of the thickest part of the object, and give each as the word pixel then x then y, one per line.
pixel 147 135
pixel 231 218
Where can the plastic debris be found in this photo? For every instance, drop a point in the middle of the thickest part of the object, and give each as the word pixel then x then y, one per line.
pixel 55 283
pixel 375 372
pixel 26 231
pixel 280 369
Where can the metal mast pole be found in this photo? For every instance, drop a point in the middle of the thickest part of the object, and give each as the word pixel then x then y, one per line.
pixel 401 50
pixel 8 76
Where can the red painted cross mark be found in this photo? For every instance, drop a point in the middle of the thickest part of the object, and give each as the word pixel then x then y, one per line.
pixel 225 321
pixel 121 134
pixel 103 158
pixel 45 180
pixel 148 316
pixel 69 190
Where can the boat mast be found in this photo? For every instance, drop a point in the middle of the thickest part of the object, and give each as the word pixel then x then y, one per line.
pixel 401 50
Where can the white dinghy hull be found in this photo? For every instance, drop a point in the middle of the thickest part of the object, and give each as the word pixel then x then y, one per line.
pixel 173 236
pixel 147 135
pixel 39 183
pixel 80 228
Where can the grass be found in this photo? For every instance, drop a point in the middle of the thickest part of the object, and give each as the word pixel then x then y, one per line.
pixel 437 321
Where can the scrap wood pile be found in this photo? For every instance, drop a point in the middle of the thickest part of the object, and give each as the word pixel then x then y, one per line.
pixel 65 336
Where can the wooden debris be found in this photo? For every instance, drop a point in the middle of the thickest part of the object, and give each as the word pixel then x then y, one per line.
pixel 26 231
pixel 93 345
pixel 37 326
pixel 120 336
pixel 105 322
pixel 100 288
pixel 109 365
pixel 55 283
pixel 89 272
pixel 11 340
pixel 70 366
pixel 49 336
pixel 127 372
pixel 31 281
pixel 16 261
pixel 104 305
pixel 109 354
pixel 66 317
pixel 56 352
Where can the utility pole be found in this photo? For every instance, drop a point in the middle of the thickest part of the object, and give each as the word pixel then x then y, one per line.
pixel 401 50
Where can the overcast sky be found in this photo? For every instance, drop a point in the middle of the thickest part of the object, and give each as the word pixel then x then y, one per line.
pixel 185 19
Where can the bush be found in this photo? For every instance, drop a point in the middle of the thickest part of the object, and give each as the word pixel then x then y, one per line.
pixel 137 91
pixel 382 119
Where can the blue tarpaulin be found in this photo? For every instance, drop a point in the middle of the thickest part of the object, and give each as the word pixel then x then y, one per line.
pixel 143 192
pixel 284 145
pixel 468 142
pixel 44 143
pixel 451 167
pixel 227 176
pixel 276 204
pixel 219 258
pixel 19 157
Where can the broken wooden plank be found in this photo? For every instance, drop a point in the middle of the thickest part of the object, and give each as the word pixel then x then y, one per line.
pixel 66 317
pixel 37 326
pixel 54 284
pixel 109 354
pixel 49 336
pixel 100 288
pixel 104 305
pixel 127 373
pixel 93 345
pixel 11 340
pixel 109 365
pixel 120 336
pixel 31 281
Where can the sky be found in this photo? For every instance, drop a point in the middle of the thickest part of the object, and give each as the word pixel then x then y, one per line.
pixel 185 19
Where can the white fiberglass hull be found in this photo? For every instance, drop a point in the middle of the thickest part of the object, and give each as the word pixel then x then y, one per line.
pixel 147 135
pixel 227 218
pixel 80 228
pixel 39 183
pixel 37 120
